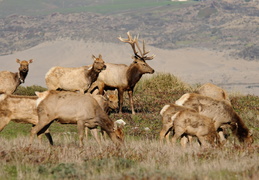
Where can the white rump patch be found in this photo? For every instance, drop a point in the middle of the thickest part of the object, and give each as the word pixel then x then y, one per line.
pixel 164 109
pixel 41 97
pixel 2 96
pixel 182 99
pixel 174 116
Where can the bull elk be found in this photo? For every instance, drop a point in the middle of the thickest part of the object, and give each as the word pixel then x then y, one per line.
pixel 9 81
pixel 123 77
pixel 20 109
pixel 220 111
pixel 185 121
pixel 73 108
pixel 74 79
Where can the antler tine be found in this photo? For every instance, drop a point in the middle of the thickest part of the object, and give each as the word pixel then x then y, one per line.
pixel 137 44
pixel 144 49
pixel 143 55
pixel 146 52
pixel 130 41
pixel 150 57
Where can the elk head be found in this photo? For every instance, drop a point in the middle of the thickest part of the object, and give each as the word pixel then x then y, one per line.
pixel 139 60
pixel 98 65
pixel 23 69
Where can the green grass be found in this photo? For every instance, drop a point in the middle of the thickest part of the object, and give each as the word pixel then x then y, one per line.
pixel 44 7
pixel 143 157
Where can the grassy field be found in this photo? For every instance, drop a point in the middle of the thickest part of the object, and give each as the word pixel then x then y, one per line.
pixel 142 157
pixel 44 7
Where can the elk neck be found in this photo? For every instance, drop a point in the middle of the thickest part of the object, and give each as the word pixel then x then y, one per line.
pixel 22 75
pixel 133 76
pixel 92 74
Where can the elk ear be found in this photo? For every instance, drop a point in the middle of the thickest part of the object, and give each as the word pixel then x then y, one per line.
pixel 31 60
pixel 18 61
pixel 94 58
pixel 100 56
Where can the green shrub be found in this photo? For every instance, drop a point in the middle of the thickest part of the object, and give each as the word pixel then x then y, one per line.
pixel 29 90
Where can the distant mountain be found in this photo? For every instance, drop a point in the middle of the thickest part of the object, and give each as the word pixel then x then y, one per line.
pixel 215 25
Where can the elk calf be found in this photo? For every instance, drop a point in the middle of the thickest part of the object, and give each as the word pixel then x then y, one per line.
pixel 74 79
pixel 9 81
pixel 185 121
pixel 220 111
pixel 20 109
pixel 73 108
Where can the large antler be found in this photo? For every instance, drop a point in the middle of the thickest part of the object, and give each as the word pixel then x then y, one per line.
pixel 134 42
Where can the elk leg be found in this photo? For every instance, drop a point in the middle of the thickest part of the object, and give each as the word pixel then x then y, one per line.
pixel 202 140
pixel 3 123
pixel 184 141
pixel 81 128
pixel 49 137
pixel 120 91
pixel 86 133
pixel 131 101
pixel 40 127
pixel 47 134
pixel 165 131
pixel 94 132
pixel 177 134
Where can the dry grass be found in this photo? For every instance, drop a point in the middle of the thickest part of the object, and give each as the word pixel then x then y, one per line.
pixel 140 159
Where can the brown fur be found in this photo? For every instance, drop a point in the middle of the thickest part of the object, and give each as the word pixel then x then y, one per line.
pixel 220 111
pixel 73 108
pixel 74 79
pixel 213 91
pixel 123 77
pixel 107 102
pixel 186 121
pixel 20 109
pixel 10 80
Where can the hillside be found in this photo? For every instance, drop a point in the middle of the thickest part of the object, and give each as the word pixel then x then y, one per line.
pixel 214 25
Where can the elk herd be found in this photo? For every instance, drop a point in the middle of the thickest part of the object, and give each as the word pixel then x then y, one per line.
pixel 85 95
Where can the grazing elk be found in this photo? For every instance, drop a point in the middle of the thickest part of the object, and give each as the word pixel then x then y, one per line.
pixel 185 121
pixel 74 79
pixel 107 102
pixel 220 111
pixel 123 77
pixel 73 108
pixel 9 81
pixel 20 109
pixel 213 91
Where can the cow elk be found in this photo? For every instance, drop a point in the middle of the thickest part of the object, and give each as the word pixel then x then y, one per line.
pixel 220 111
pixel 9 81
pixel 20 109
pixel 74 79
pixel 185 121
pixel 216 92
pixel 73 108
pixel 107 102
pixel 123 77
